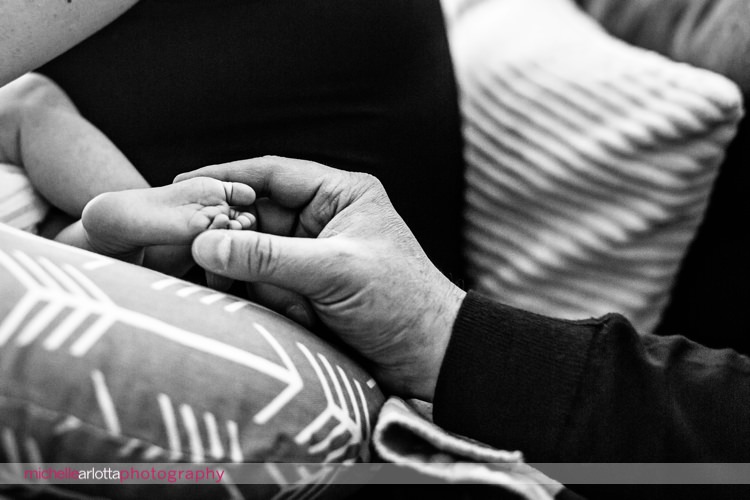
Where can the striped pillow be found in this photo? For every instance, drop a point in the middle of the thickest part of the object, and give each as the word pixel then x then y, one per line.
pixel 589 163
pixel 20 205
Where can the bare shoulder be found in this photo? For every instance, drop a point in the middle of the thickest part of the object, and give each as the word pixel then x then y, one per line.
pixel 35 32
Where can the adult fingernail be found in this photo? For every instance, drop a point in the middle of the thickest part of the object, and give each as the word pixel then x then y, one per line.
pixel 212 249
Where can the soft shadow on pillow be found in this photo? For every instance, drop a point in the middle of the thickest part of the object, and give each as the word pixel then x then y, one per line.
pixel 589 162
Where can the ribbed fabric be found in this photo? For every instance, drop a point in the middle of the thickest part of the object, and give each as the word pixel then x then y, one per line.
pixel 510 378
pixel 20 205
pixel 589 162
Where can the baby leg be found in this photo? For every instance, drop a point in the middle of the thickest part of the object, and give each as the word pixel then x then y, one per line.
pixel 68 160
pixel 122 222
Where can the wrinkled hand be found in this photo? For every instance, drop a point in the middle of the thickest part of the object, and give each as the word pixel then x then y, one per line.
pixel 334 237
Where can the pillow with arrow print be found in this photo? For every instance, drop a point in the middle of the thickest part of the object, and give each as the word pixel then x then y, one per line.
pixel 105 362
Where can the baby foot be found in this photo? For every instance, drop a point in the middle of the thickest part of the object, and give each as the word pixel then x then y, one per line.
pixel 122 222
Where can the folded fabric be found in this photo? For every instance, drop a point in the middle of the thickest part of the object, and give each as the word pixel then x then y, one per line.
pixel 405 435
pixel 589 163
pixel 20 205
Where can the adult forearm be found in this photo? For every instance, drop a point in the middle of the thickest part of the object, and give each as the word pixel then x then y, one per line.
pixel 590 391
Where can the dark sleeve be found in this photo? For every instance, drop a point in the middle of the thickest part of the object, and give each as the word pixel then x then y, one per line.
pixel 590 391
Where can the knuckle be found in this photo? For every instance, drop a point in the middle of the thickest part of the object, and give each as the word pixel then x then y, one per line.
pixel 367 185
pixel 368 181
pixel 328 199
pixel 262 257
pixel 340 190
pixel 272 158
pixel 328 202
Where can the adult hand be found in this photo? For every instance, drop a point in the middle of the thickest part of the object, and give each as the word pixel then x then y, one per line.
pixel 334 237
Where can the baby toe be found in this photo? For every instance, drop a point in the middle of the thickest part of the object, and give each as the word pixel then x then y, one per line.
pixel 221 221
pixel 246 219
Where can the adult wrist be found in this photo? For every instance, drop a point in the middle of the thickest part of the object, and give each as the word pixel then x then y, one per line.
pixel 437 341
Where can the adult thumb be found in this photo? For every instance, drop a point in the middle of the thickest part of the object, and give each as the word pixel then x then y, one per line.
pixel 296 264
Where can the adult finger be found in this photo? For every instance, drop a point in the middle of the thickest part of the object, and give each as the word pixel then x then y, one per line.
pixel 272 218
pixel 290 182
pixel 283 301
pixel 302 265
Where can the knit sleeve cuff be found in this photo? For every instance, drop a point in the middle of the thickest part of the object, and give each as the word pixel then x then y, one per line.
pixel 509 377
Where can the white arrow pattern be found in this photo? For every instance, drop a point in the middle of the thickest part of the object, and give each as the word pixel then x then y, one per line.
pixel 337 410
pixel 306 484
pixel 58 288
pixel 63 309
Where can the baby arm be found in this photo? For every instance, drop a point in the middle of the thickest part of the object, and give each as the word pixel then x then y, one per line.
pixel 67 159
pixel 70 162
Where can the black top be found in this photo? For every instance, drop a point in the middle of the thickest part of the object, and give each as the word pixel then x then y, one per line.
pixel 179 84
pixel 357 85
pixel 591 391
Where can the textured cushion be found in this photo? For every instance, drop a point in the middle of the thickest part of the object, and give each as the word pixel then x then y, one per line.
pixel 711 34
pixel 589 162
pixel 101 361
pixel 20 205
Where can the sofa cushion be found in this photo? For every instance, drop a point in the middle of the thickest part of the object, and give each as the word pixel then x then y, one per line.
pixel 589 162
